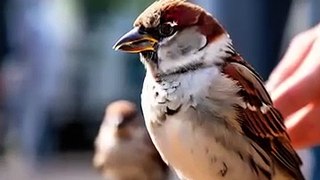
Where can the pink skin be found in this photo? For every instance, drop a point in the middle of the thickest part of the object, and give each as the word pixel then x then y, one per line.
pixel 294 86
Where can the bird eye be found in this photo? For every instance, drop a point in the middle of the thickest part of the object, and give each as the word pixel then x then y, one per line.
pixel 166 30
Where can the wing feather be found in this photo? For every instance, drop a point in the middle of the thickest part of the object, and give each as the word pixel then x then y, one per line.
pixel 259 120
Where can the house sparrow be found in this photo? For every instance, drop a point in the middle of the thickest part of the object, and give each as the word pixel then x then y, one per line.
pixel 123 148
pixel 205 107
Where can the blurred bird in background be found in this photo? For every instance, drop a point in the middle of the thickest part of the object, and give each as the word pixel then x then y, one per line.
pixel 123 148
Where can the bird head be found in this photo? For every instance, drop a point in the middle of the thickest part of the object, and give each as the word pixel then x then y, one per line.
pixel 120 117
pixel 172 35
pixel 119 124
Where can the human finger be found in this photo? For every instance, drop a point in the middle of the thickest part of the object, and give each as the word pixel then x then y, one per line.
pixel 304 127
pixel 297 51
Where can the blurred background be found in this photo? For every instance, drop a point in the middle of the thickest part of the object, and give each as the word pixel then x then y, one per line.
pixel 58 72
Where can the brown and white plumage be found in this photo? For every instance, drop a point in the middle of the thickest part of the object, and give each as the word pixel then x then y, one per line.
pixel 206 109
pixel 123 149
pixel 259 120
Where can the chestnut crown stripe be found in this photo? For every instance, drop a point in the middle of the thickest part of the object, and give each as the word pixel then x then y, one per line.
pixel 183 13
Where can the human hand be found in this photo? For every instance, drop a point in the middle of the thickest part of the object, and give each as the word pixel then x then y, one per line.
pixel 294 86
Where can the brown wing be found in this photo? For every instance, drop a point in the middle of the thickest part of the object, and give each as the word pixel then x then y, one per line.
pixel 259 120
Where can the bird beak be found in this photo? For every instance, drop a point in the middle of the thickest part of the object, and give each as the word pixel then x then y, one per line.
pixel 136 42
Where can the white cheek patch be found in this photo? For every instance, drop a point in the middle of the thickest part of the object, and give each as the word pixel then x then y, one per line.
pixel 182 48
pixel 190 47
pixel 106 137
pixel 182 43
pixel 113 121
